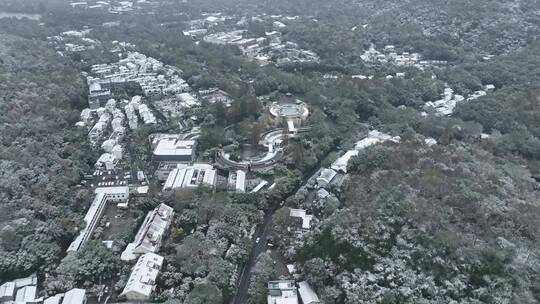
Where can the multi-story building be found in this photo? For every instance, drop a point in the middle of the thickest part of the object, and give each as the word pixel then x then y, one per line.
pixel 142 281
pixel 148 238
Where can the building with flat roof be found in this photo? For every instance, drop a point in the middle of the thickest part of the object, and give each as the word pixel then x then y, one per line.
pixel 103 195
pixel 191 177
pixel 142 281
pixel 27 295
pixel 165 168
pixel 150 234
pixel 23 290
pixel 75 296
pixel 282 292
pixel 325 177
pixel 237 181
pixel 307 294
pixel 7 292
pixel 341 163
pixel 56 299
pixel 301 213
pixel 173 149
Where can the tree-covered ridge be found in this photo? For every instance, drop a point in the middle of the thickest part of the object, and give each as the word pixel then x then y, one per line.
pixel 42 157
pixel 429 225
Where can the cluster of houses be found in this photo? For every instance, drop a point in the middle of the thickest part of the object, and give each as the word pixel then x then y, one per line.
pixel 105 125
pixel 160 84
pixel 154 78
pixel 113 7
pixel 264 49
pixel 391 56
pixel 73 41
pixel 25 291
pixel 107 117
pixel 447 104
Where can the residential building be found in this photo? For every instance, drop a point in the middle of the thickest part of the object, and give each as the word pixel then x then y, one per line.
pixel 106 161
pixel 75 296
pixel 325 178
pixel 22 291
pixel 187 100
pixel 142 281
pixel 151 232
pixel 214 95
pixel 97 96
pixel 7 292
pixel 56 299
pixel 307 294
pixel 301 213
pixel 282 292
pixel 27 295
pixel 191 177
pixel 341 163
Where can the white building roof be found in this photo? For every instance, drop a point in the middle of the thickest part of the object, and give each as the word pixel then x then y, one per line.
pixel 240 181
pixel 26 294
pixel 121 190
pixel 56 299
pixel 322 194
pixel 191 177
pixel 29 280
pixel 7 290
pixel 174 146
pixel 143 189
pixel 340 164
pixel 148 238
pixel 143 276
pixel 90 219
pixel 375 137
pixel 74 296
pixel 301 213
pixel 188 99
pixel 430 141
pixel 307 294
pixel 259 186
pixel 326 175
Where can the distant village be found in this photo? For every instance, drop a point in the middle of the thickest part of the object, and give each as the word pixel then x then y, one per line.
pixel 263 49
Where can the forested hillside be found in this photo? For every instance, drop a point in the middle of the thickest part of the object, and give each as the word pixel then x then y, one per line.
pixel 42 156
pixel 442 207
pixel 429 225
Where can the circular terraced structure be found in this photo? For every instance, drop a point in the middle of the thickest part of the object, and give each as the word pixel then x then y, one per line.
pixel 290 110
